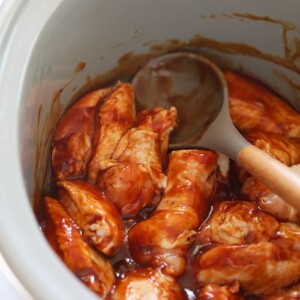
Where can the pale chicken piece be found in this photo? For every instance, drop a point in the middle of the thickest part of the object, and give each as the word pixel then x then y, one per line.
pixel 89 266
pixel 288 235
pixel 261 268
pixel 134 178
pixel 237 222
pixel 225 187
pixel 161 121
pixel 165 237
pixel 288 152
pixel 73 136
pixel 255 107
pixel 241 112
pixel 282 148
pixel 268 201
pixel 216 292
pixel 292 293
pixel 98 218
pixel 147 284
pixel 113 118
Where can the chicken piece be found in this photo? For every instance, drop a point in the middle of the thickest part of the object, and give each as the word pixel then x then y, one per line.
pixel 147 284
pixel 254 107
pixel 225 187
pixel 163 239
pixel 89 266
pixel 162 122
pixel 216 292
pixel 284 150
pixel 268 201
pixel 133 178
pixel 292 293
pixel 113 118
pixel 98 218
pixel 237 222
pixel 260 268
pixel 281 148
pixel 288 235
pixel 72 139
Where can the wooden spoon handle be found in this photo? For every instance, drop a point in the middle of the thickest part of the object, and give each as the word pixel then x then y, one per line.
pixel 276 176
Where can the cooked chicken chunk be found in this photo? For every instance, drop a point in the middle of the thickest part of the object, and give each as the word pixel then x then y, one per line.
pixel 216 292
pixel 72 139
pixel 98 218
pixel 260 268
pixel 113 118
pixel 268 201
pixel 163 239
pixel 288 235
pixel 254 107
pixel 133 178
pixel 292 293
pixel 90 267
pixel 147 284
pixel 237 222
pixel 284 150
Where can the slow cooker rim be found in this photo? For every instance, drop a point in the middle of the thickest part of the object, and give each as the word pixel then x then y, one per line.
pixel 16 211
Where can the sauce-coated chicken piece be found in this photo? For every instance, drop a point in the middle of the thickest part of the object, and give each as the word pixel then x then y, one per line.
pixel 254 107
pixel 113 118
pixel 288 235
pixel 89 266
pixel 133 178
pixel 216 292
pixel 292 293
pixel 237 222
pixel 98 218
pixel 261 268
pixel 73 136
pixel 164 238
pixel 268 201
pixel 284 150
pixel 147 284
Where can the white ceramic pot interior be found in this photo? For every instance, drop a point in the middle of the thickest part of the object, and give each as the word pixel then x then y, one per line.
pixel 56 49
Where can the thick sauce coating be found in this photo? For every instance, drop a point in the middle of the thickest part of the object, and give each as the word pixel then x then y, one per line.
pixel 133 178
pixel 88 265
pixel 164 238
pixel 189 224
pixel 147 284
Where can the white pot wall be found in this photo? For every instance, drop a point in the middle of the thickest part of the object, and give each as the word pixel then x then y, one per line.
pixel 41 44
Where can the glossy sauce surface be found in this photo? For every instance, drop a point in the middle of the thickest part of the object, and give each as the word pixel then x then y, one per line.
pixel 226 188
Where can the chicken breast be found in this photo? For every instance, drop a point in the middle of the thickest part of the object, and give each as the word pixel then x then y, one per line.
pixel 147 284
pixel 164 238
pixel 98 218
pixel 288 152
pixel 90 267
pixel 113 118
pixel 237 222
pixel 261 268
pixel 216 292
pixel 73 136
pixel 254 107
pixel 134 178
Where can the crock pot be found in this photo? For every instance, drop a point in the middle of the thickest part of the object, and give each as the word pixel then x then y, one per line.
pixel 51 51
